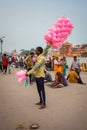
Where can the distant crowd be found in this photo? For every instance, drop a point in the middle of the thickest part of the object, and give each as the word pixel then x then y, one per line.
pixel 52 64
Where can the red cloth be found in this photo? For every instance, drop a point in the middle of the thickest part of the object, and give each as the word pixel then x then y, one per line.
pixel 5 61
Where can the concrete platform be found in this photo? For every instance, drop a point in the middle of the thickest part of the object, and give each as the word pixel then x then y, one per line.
pixel 66 107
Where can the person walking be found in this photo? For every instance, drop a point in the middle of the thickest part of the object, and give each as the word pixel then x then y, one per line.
pixel 4 63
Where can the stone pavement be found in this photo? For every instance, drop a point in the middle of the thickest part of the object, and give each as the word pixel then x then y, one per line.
pixel 66 107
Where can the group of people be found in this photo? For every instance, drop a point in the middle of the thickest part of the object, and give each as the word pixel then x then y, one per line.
pixel 60 66
pixel 37 68
pixel 74 74
pixel 5 64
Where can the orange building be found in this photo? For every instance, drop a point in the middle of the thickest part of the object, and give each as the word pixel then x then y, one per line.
pixel 66 49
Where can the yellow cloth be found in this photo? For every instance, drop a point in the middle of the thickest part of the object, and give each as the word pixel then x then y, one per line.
pixel 58 68
pixel 73 76
pixel 39 72
pixel 28 61
pixel 84 68
pixel 38 68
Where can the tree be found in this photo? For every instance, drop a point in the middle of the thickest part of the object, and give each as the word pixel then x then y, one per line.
pixel 25 52
pixel 32 50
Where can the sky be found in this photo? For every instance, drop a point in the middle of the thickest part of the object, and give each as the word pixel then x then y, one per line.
pixel 25 22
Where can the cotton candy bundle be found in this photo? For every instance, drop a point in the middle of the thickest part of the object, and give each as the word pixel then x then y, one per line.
pixel 34 59
pixel 21 75
pixel 59 32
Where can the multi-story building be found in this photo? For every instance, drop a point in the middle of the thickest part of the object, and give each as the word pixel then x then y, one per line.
pixel 68 50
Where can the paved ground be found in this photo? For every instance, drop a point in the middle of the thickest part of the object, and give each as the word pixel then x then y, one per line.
pixel 66 107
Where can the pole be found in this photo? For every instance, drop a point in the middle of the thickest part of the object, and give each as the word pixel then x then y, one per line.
pixel 1 40
pixel 1 45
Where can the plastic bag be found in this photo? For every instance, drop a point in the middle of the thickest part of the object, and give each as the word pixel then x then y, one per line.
pixel 26 82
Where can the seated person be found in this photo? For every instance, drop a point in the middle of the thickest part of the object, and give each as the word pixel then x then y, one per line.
pixel 59 80
pixel 48 77
pixel 74 77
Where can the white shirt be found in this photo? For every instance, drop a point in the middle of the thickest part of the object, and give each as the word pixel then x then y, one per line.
pixel 55 62
pixel 75 64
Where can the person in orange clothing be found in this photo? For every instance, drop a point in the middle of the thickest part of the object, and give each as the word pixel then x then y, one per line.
pixel 58 67
pixel 74 77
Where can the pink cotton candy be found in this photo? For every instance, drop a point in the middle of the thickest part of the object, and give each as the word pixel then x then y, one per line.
pixel 59 32
pixel 34 59
pixel 21 75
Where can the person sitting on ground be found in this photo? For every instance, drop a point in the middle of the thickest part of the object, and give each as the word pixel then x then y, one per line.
pixel 74 77
pixel 59 81
pixel 48 77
